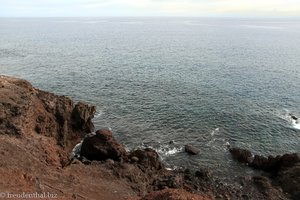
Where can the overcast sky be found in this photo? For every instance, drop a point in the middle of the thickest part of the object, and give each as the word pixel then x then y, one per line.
pixel 206 8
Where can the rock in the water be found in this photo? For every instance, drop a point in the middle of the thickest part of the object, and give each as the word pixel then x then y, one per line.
pixel 294 117
pixel 275 163
pixel 102 146
pixel 191 149
pixel 241 155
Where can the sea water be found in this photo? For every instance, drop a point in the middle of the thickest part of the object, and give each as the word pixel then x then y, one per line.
pixel 167 82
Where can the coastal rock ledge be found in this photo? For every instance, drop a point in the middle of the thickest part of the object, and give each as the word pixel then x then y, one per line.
pixel 38 131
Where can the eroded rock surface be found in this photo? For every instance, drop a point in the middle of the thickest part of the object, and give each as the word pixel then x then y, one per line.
pixel 284 170
pixel 102 146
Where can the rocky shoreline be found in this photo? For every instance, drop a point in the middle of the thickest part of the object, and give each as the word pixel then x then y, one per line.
pixel 39 130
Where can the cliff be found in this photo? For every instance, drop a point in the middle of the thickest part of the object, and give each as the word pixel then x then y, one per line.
pixel 38 131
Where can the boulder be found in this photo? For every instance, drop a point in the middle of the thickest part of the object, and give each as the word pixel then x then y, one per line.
pixel 241 155
pixel 147 158
pixel 294 117
pixel 191 149
pixel 102 146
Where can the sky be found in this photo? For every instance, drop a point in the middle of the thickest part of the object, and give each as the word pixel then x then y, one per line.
pixel 189 8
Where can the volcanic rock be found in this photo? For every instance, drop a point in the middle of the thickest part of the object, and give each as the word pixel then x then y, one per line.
pixel 26 111
pixel 282 169
pixel 191 149
pixel 275 163
pixel 147 158
pixel 82 115
pixel 242 155
pixel 294 117
pixel 289 180
pixel 102 146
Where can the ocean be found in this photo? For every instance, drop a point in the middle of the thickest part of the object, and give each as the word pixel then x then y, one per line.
pixel 167 82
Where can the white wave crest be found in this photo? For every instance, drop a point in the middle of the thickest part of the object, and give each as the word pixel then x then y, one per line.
pixel 291 119
pixel 296 124
pixel 167 150
pixel 215 131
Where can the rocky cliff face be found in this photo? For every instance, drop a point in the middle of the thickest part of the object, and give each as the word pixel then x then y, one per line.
pixel 39 129
pixel 28 112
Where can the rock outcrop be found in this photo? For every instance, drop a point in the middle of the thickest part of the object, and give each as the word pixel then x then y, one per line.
pixel 102 146
pixel 26 111
pixel 282 169
pixel 242 155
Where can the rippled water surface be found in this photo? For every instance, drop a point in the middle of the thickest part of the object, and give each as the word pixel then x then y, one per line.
pixel 208 82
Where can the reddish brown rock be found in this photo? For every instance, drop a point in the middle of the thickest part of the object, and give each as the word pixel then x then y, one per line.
pixel 82 115
pixel 102 146
pixel 148 158
pixel 26 111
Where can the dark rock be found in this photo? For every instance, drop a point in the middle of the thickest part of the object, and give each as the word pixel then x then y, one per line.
pixel 241 155
pixel 203 174
pixel 102 146
pixel 260 162
pixel 289 180
pixel 191 149
pixel 187 174
pixel 289 160
pixel 148 158
pixel 283 170
pixel 82 115
pixel 275 163
pixel 294 117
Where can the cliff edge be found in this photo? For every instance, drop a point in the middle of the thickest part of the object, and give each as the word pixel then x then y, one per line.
pixel 38 131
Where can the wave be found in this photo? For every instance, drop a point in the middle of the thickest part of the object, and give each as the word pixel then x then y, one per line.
pixel 217 141
pixel 164 150
pixel 293 121
pixel 76 151
pixel 167 150
pixel 296 124
pixel 215 131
